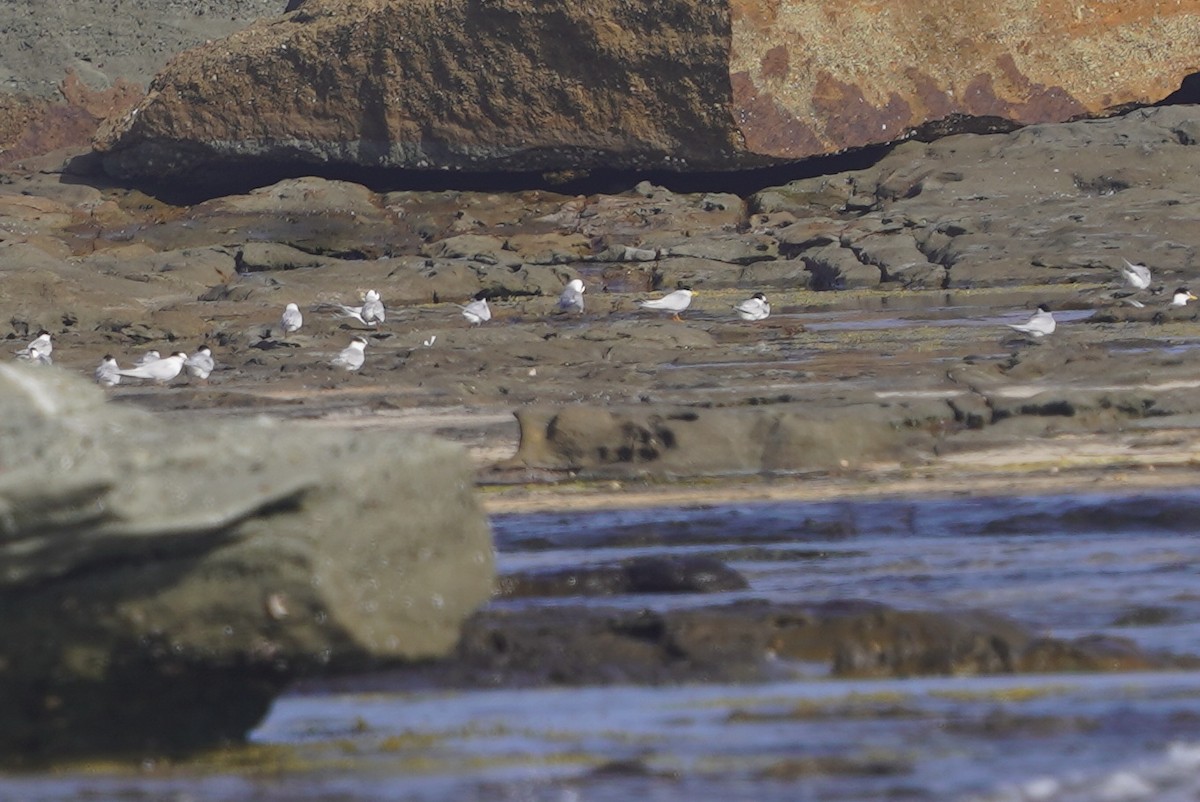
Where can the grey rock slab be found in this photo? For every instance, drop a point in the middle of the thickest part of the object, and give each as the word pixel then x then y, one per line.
pixel 241 553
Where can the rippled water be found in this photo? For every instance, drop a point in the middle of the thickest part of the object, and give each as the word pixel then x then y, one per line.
pixel 1063 565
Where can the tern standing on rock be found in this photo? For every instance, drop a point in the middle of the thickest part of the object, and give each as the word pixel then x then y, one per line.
pixel 571 299
pixel 353 355
pixel 1137 276
pixel 160 371
pixel 35 356
pixel 754 308
pixel 292 320
pixel 39 349
pixel 372 309
pixel 1181 297
pixel 200 364
pixel 371 313
pixel 1041 324
pixel 673 302
pixel 108 372
pixel 477 311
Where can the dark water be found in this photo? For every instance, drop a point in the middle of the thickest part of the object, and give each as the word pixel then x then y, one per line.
pixel 1124 565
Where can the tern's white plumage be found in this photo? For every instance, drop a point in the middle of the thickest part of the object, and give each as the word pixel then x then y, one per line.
pixel 108 372
pixel 1041 324
pixel 353 355
pixel 147 358
pixel 371 313
pixel 200 364
pixel 754 308
pixel 673 302
pixel 35 356
pixel 42 345
pixel 160 370
pixel 571 299
pixel 1181 297
pixel 1137 276
pixel 292 320
pixel 372 308
pixel 477 311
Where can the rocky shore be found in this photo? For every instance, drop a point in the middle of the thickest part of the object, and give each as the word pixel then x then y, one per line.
pixel 887 365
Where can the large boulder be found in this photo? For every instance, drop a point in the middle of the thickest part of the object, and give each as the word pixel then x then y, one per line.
pixel 161 582
pixel 678 85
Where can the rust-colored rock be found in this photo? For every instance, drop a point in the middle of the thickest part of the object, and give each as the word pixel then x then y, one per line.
pixel 678 85
pixel 31 126
pixel 65 66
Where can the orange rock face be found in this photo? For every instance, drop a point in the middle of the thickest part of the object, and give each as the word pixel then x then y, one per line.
pixel 31 126
pixel 677 85
pixel 813 77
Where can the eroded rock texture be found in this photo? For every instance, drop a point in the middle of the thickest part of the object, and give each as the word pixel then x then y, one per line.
pixel 680 85
pixel 66 65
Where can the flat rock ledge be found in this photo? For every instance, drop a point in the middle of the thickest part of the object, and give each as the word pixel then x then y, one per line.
pixel 161 584
pixel 666 440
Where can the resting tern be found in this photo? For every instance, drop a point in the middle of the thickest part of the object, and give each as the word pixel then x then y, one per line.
pixel 1041 324
pixel 41 344
pixel 477 311
pixel 35 356
pixel 292 320
pixel 200 364
pixel 754 308
pixel 371 313
pixel 160 370
pixel 673 302
pixel 352 356
pixel 108 372
pixel 571 299
pixel 1138 276
pixel 147 358
pixel 1181 297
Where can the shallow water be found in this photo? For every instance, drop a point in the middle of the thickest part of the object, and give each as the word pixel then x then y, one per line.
pixel 1120 564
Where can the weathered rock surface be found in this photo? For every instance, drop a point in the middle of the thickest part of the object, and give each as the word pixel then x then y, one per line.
pixel 1046 204
pixel 162 582
pixel 692 441
pixel 65 66
pixel 682 86
pixel 911 360
pixel 750 641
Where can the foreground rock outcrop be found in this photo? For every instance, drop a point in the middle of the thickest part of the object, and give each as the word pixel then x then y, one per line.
pixel 161 583
pixel 680 86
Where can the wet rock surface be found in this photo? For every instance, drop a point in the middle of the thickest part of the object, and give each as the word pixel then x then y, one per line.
pixel 695 574
pixel 873 368
pixel 749 642
pixel 163 582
